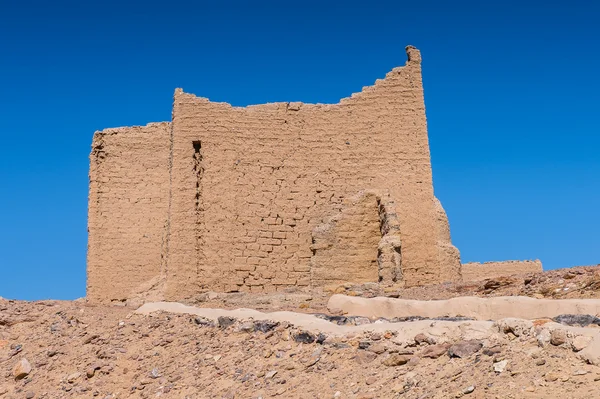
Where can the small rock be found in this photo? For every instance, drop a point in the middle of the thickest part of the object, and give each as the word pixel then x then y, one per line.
pixel 321 338
pixel 396 360
pixel 247 327
pixel 30 395
pixel 468 389
pixel 92 369
pixel 265 325
pixel 517 327
pixel 500 366
pixel 582 320
pixel 21 369
pixel 155 373
pixel 540 362
pixel 558 337
pixel 580 342
pixel 225 321
pixel 271 374
pixel 72 377
pixel 580 372
pixel 492 351
pixel 371 380
pixel 422 338
pixel 359 321
pixel 464 349
pixel 364 357
pixel 377 348
pixel 551 376
pixel 304 337
pixel 364 344
pixel 543 338
pixel 435 351
pixel 203 321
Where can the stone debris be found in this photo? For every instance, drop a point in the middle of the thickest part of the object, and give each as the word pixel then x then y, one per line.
pixel 500 366
pixel 396 360
pixel 581 320
pixel 21 369
pixel 464 349
pixel 558 337
pixel 435 351
pixel 168 354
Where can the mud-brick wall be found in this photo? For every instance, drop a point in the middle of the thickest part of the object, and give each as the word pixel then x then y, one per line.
pixel 480 271
pixel 250 184
pixel 128 209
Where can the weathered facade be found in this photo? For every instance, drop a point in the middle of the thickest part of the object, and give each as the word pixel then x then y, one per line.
pixel 267 197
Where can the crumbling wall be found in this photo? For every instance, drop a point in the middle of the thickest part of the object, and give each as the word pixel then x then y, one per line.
pixel 128 210
pixel 345 248
pixel 228 198
pixel 480 271
pixel 447 254
pixel 244 207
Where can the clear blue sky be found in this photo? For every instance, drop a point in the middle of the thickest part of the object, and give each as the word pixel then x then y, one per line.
pixel 512 93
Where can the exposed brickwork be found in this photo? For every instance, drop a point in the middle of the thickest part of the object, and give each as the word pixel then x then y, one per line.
pixel 480 271
pixel 231 199
pixel 128 209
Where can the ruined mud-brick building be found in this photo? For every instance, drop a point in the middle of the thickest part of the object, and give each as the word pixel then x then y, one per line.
pixel 267 197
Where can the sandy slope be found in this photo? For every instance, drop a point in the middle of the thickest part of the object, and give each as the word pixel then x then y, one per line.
pixel 76 350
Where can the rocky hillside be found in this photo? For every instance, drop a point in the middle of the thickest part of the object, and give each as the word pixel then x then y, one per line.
pixel 53 349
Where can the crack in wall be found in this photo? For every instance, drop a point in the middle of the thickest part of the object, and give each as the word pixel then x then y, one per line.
pixel 198 169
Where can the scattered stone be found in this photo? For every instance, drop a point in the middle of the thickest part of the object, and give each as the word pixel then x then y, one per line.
pixel 500 366
pixel 92 370
pixel 359 321
pixel 464 349
pixel 247 327
pixel 371 380
pixel 21 369
pixel 422 338
pixel 580 342
pixel 155 373
pixel 558 337
pixel 580 372
pixel 377 348
pixel 581 320
pixel 225 321
pixel 304 337
pixel 321 338
pixel 543 338
pixel 435 351
pixel 71 378
pixel 364 344
pixel 364 357
pixel 30 395
pixel 494 350
pixel 551 376
pixel 270 374
pixel 396 360
pixel 540 362
pixel 517 327
pixel 339 320
pixel 203 321
pixel 468 389
pixel 265 325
